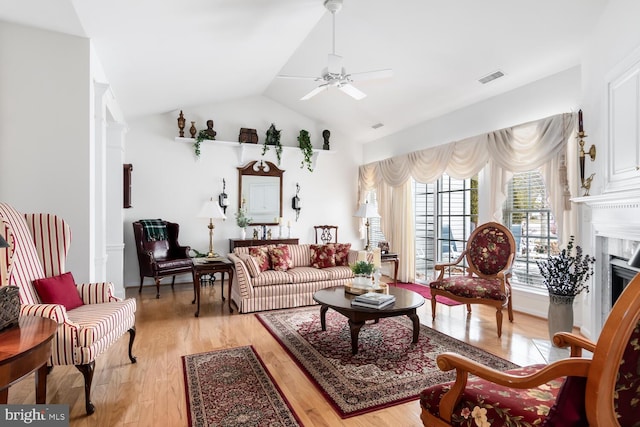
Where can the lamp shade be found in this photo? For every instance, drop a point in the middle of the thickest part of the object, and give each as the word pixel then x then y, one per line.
pixel 634 261
pixel 367 210
pixel 211 209
pixel 3 243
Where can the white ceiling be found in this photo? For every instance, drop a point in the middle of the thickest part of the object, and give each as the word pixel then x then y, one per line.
pixel 163 55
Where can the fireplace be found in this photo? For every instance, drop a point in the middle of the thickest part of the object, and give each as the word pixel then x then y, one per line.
pixel 615 234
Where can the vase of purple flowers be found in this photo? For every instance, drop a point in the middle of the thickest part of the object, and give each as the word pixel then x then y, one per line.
pixel 565 275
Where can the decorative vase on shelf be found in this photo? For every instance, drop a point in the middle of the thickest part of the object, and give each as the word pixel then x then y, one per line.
pixel 243 233
pixel 560 316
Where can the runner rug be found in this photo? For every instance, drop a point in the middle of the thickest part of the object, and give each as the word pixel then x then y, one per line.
pixel 425 291
pixel 388 369
pixel 232 387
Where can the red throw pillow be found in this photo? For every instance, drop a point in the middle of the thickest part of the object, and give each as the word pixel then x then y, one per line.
pixel 280 258
pixel 323 256
pixel 342 253
pixel 261 255
pixel 59 290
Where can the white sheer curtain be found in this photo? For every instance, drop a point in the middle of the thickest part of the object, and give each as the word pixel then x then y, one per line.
pixel 539 144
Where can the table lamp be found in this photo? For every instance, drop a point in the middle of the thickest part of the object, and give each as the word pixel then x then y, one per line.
pixel 367 211
pixel 211 210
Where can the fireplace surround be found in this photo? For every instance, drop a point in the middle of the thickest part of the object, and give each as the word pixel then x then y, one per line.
pixel 613 223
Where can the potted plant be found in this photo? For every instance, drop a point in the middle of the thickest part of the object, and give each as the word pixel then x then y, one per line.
pixel 273 138
pixel 565 275
pixel 363 271
pixel 307 149
pixel 243 221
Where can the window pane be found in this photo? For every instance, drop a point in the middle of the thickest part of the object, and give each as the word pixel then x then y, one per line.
pixel 527 214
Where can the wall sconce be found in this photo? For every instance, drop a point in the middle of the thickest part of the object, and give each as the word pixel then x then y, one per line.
pixel 223 201
pixel 295 202
pixel 585 183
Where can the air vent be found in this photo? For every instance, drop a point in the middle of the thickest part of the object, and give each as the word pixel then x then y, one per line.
pixel 377 126
pixel 486 79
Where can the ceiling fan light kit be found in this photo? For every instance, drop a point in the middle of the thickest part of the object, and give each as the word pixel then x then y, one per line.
pixel 335 74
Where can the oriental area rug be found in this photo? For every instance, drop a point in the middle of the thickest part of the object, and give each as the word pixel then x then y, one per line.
pixel 232 387
pixel 388 369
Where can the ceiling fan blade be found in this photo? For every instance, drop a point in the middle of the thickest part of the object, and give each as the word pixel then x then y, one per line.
pixel 314 92
pixel 370 75
pixel 283 76
pixel 352 91
pixel 334 64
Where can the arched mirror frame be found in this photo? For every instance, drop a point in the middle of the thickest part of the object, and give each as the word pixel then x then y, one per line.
pixel 260 169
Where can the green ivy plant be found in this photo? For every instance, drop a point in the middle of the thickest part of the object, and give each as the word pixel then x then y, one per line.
pixel 202 135
pixel 273 138
pixel 307 149
pixel 362 268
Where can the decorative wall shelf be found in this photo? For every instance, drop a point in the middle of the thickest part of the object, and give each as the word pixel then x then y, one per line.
pixel 246 151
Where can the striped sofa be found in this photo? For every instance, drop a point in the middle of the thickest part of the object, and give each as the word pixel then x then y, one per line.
pixel 295 287
pixel 38 246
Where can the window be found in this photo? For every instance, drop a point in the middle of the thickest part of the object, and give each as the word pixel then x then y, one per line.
pixel 445 214
pixel 528 216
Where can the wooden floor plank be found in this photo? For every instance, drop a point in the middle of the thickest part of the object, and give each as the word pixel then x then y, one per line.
pixel 151 392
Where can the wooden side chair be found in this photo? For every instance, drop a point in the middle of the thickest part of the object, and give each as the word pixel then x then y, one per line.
pixel 326 233
pixel 489 254
pixel 576 391
pixel 90 317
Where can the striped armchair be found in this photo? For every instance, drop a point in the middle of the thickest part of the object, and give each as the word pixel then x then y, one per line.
pixel 38 246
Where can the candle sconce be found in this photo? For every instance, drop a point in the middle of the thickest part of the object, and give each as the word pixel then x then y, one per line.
pixel 295 202
pixel 585 183
pixel 223 201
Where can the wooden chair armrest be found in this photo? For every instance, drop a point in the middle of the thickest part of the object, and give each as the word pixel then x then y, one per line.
pixel 577 343
pixel 443 266
pixel 464 366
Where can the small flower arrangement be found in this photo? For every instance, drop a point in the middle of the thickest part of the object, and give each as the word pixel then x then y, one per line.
pixel 362 268
pixel 241 217
pixel 566 274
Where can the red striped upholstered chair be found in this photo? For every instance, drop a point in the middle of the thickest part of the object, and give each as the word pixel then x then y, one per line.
pixel 39 244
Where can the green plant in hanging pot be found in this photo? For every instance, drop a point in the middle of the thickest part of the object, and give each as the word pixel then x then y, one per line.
pixel 273 138
pixel 307 149
pixel 565 275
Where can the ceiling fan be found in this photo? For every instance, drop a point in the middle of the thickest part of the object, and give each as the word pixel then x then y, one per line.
pixel 334 75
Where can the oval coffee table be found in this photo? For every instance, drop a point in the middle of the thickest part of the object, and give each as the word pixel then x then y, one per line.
pixel 337 299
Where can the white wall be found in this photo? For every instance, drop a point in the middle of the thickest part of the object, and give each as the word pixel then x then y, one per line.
pixel 45 130
pixel 168 182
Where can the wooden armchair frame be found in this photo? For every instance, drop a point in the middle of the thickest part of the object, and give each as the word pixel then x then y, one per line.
pixel 472 270
pixel 601 371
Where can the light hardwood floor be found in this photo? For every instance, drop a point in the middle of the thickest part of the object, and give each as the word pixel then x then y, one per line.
pixel 151 392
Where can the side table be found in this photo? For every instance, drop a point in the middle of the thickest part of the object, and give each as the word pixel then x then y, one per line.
pixel 23 349
pixel 392 257
pixel 204 266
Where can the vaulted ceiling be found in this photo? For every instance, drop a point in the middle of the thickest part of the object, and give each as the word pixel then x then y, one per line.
pixel 164 55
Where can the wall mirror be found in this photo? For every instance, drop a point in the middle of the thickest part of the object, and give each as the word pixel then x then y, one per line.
pixel 260 189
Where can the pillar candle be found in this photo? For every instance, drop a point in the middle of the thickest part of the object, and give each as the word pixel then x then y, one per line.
pixel 580 127
pixel 362 256
pixel 377 259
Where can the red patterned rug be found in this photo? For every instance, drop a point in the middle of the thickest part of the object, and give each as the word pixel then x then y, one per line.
pixel 388 369
pixel 232 387
pixel 426 293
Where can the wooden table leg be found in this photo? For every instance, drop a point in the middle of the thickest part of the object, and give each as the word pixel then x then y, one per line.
pixel 416 325
pixel 323 317
pixel 395 273
pixel 222 285
pixel 354 327
pixel 196 288
pixel 230 285
pixel 41 384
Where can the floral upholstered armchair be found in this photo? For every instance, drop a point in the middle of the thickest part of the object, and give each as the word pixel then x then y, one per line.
pixel 601 391
pixel 489 254
pixel 90 318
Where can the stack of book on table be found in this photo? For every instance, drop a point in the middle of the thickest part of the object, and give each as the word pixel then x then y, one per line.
pixel 373 300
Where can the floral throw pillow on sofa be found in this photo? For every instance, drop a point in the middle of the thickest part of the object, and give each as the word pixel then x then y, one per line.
pixel 342 253
pixel 261 255
pixel 323 256
pixel 280 258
